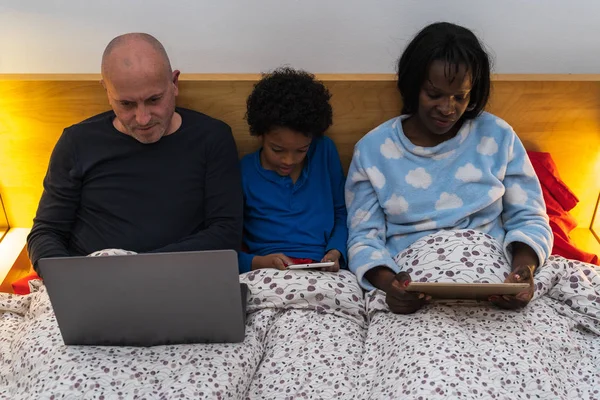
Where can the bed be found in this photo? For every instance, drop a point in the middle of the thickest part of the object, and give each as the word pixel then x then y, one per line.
pixel 549 350
pixel 312 334
pixel 317 335
pixel 305 334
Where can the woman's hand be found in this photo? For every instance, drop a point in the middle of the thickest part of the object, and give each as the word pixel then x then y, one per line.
pixel 332 255
pixel 520 274
pixel 278 261
pixel 394 285
pixel 399 300
pixel 524 263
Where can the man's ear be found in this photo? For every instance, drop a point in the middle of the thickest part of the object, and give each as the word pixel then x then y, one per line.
pixel 175 80
pixel 105 90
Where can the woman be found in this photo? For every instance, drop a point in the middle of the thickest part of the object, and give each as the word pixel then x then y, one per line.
pixel 443 164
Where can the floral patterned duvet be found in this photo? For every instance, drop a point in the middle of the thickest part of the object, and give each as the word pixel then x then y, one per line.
pixel 315 335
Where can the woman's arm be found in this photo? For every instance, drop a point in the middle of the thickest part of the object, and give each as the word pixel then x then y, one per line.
pixel 366 224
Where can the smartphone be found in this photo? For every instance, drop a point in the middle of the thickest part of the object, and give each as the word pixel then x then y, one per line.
pixel 311 265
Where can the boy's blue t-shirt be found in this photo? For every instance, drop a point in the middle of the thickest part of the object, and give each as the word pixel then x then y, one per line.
pixel 305 219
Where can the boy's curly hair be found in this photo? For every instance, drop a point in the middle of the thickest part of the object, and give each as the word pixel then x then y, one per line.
pixel 289 98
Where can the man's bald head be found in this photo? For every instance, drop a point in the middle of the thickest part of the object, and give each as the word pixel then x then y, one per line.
pixel 134 51
pixel 141 87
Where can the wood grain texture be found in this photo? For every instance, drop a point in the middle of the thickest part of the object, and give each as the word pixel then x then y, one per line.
pixel 557 116
pixel 595 226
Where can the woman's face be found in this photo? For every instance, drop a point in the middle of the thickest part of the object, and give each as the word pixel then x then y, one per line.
pixel 443 99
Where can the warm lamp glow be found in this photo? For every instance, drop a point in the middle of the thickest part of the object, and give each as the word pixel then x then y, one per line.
pixel 11 247
pixel 3 220
pixel 595 227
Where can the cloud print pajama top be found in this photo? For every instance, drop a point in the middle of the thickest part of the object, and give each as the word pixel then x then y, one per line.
pixel 481 179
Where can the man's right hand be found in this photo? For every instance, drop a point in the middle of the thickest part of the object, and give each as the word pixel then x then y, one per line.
pixel 277 261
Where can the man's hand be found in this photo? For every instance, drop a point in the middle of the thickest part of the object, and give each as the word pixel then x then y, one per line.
pixel 332 255
pixel 111 252
pixel 277 261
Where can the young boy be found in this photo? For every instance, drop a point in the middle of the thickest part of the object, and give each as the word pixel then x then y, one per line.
pixel 294 209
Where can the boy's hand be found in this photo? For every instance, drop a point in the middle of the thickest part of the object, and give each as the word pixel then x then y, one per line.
pixel 278 261
pixel 332 255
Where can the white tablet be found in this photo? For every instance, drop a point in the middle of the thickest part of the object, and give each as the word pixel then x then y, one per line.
pixel 471 291
pixel 311 265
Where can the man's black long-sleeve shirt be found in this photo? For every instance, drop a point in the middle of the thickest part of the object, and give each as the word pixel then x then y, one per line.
pixel 104 189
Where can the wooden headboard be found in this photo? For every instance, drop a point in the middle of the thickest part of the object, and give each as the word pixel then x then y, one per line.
pixel 555 114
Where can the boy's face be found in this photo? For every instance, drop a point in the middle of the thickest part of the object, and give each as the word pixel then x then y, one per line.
pixel 284 151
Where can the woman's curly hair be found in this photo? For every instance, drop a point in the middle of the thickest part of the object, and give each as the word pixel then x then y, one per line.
pixel 289 98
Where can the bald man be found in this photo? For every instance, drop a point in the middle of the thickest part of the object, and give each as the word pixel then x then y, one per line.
pixel 147 176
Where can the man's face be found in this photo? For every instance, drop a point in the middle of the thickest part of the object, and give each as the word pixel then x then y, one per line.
pixel 144 102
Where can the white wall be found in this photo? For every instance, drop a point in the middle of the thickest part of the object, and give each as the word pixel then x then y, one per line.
pixel 68 36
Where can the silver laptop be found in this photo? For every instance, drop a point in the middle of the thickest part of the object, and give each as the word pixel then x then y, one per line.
pixel 147 299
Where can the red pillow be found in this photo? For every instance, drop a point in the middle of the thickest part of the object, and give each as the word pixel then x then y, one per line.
pixel 21 286
pixel 559 201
